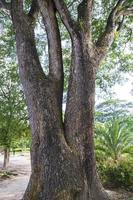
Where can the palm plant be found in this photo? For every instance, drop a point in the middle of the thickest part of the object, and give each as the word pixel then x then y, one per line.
pixel 113 139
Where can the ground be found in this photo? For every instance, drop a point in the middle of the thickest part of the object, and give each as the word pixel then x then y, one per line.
pixel 13 188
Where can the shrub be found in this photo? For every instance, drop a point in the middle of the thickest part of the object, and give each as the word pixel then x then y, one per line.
pixel 113 140
pixel 117 174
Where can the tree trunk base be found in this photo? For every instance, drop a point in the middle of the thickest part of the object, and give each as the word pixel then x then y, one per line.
pixel 6 158
pixel 58 175
pixel 62 179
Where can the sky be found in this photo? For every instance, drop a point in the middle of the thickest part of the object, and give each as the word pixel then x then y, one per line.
pixel 123 91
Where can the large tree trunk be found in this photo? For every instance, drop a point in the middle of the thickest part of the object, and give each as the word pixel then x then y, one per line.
pixel 79 117
pixel 6 157
pixel 63 160
pixel 62 156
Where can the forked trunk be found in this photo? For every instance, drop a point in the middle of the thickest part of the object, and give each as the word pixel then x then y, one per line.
pixel 6 157
pixel 63 160
pixel 62 156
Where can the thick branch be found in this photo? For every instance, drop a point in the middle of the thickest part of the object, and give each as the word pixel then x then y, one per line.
pixel 54 41
pixel 17 6
pixel 65 16
pixel 85 9
pixel 48 12
pixel 106 39
pixel 27 54
pixel 5 5
pixel 34 10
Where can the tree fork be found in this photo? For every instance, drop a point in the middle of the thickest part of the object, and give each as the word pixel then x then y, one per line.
pixel 56 169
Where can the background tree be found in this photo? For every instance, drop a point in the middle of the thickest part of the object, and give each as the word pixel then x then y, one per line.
pixel 114 109
pixel 63 160
pixel 13 114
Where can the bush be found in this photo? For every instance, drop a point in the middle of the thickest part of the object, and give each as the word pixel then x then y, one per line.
pixel 117 174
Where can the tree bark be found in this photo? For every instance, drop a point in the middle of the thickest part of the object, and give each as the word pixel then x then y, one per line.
pixel 79 116
pixel 6 157
pixel 62 154
pixel 56 171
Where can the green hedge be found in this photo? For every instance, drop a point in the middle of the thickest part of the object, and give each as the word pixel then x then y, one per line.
pixel 117 175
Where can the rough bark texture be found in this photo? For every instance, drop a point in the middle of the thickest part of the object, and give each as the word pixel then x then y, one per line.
pixel 62 156
pixel 6 157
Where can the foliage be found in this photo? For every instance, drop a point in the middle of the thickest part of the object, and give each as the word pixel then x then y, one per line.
pixel 113 109
pixel 114 143
pixel 113 140
pixel 13 113
pixel 24 142
pixel 118 174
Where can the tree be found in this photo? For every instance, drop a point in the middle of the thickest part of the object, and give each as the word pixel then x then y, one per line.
pixel 13 114
pixel 62 156
pixel 113 109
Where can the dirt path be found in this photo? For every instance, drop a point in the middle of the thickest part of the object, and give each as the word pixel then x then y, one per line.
pixel 13 188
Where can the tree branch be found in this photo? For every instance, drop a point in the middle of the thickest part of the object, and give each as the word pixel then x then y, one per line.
pixel 85 9
pixel 120 24
pixel 106 39
pixel 48 13
pixel 29 63
pixel 17 5
pixel 111 25
pixel 65 15
pixel 127 12
pixel 34 10
pixel 5 5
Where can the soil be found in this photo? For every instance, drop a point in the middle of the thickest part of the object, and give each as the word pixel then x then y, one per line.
pixel 13 188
